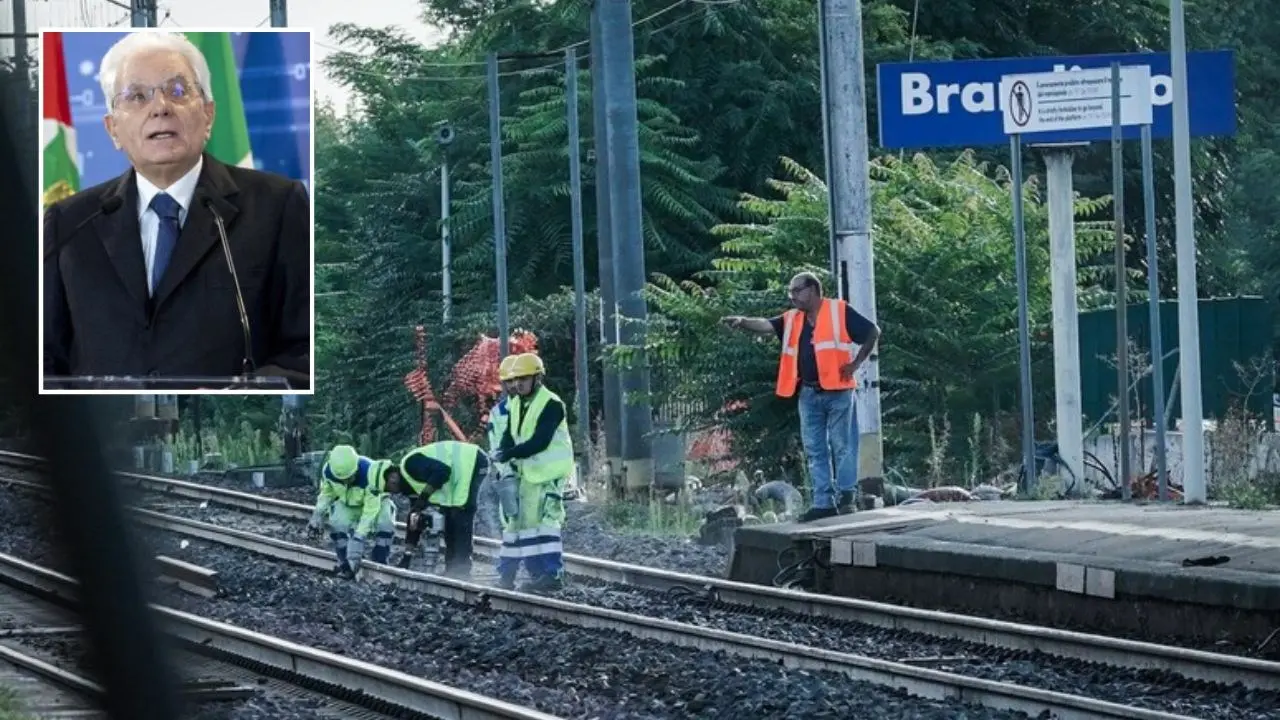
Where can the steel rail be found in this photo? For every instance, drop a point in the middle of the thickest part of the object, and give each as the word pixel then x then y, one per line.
pixel 1189 663
pixel 921 682
pixel 65 679
pixel 314 666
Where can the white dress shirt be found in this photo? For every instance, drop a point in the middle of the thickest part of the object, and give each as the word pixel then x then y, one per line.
pixel 183 190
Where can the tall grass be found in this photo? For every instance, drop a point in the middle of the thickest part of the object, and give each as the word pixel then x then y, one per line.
pixel 243 447
pixel 10 707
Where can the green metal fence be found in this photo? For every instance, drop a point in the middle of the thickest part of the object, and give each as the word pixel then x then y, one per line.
pixel 1234 330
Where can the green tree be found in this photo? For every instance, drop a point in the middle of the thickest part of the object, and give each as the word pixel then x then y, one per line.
pixel 1252 249
pixel 944 269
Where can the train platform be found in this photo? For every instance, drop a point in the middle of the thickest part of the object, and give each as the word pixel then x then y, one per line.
pixel 1202 575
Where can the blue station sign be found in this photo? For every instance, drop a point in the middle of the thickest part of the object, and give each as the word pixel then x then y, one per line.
pixel 958 103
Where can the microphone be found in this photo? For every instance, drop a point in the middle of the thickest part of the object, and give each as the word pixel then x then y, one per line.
pixel 109 205
pixel 247 362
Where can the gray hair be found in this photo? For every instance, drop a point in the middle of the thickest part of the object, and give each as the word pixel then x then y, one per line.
pixel 143 41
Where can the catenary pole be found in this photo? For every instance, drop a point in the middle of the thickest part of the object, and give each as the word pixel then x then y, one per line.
pixel 1193 479
pixel 583 425
pixel 611 385
pixel 849 186
pixel 499 211
pixel 623 142
pixel 279 13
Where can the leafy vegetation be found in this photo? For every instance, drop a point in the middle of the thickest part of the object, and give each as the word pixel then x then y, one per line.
pixel 11 707
pixel 731 150
pixel 731 154
pixel 944 267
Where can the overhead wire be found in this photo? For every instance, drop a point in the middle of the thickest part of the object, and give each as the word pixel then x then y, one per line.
pixel 511 73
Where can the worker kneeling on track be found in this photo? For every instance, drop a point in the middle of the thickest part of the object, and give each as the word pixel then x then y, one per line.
pixel 353 497
pixel 445 475
pixel 536 454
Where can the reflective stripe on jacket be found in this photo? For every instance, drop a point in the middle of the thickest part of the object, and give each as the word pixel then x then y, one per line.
pixel 832 348
pixel 375 494
pixel 498 419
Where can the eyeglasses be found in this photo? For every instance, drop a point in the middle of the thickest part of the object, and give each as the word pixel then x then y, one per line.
pixel 176 90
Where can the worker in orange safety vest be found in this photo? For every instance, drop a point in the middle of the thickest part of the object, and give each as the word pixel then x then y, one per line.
pixel 818 338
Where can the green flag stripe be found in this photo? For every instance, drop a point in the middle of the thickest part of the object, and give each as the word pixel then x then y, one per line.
pixel 229 141
pixel 59 165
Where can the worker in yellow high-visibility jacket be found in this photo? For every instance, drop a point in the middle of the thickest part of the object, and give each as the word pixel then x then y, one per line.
pixel 536 446
pixel 445 475
pixel 354 501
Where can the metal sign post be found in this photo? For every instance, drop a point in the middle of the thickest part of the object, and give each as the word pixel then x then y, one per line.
pixel 1024 322
pixel 1153 292
pixel 1053 102
pixel 1122 295
pixel 960 103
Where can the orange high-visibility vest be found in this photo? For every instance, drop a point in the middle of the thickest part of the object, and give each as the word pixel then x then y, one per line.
pixel 832 348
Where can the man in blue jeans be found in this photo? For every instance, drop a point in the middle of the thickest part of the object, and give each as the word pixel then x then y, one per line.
pixel 817 358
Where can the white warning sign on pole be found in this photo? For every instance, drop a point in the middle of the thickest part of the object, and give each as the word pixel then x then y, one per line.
pixel 1073 99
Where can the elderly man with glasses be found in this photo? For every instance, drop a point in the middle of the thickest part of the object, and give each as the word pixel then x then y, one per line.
pixel 818 337
pixel 183 266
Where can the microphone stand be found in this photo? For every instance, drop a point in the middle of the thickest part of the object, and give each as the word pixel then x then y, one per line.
pixel 247 366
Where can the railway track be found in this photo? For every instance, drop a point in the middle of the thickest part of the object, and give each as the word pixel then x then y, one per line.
pixel 31 683
pixel 46 662
pixel 43 689
pixel 385 692
pixel 1188 663
pixel 1156 660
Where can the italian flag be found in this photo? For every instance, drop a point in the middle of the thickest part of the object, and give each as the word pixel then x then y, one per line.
pixel 230 139
pixel 61 176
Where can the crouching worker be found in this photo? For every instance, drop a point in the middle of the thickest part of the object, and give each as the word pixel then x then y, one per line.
pixel 352 498
pixel 446 475
pixel 377 515
pixel 537 446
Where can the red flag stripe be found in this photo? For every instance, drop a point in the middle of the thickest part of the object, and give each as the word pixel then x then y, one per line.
pixel 57 102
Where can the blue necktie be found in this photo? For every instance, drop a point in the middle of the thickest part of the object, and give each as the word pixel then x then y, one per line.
pixel 167 208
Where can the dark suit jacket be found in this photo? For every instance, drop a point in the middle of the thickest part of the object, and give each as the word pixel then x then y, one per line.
pixel 99 320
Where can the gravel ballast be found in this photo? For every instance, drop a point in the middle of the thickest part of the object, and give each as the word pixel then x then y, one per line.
pixel 565 671
pixel 1143 688
pixel 270 701
pixel 585 533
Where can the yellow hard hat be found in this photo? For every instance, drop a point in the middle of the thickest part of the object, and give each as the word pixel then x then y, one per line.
pixel 504 367
pixel 343 461
pixel 526 365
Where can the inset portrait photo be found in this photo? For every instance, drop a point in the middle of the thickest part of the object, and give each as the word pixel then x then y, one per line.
pixel 178 241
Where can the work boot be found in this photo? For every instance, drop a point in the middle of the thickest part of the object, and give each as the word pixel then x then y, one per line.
pixel 544 583
pixel 817 514
pixel 845 504
pixel 459 570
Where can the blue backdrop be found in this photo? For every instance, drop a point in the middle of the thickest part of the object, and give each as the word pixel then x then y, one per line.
pixel 275 82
